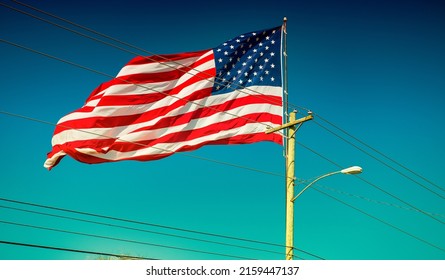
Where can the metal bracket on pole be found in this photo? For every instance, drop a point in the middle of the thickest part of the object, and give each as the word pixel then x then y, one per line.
pixel 289 124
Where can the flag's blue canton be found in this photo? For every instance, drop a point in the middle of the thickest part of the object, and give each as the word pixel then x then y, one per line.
pixel 247 60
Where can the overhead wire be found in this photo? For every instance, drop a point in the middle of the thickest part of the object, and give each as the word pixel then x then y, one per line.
pixel 417 209
pixel 152 225
pixel 123 240
pixel 87 36
pixel 412 207
pixel 242 239
pixel 382 221
pixel 373 185
pixel 73 250
pixel 156 55
pixel 124 43
pixel 378 202
pixel 139 230
pixel 367 199
pixel 378 152
pixel 318 116
pixel 379 160
pixel 65 29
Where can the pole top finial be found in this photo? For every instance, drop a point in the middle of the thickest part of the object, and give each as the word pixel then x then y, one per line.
pixel 285 19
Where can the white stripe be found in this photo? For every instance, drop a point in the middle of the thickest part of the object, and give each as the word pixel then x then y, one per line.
pixel 158 67
pixel 86 134
pixel 166 148
pixel 52 160
pixel 92 103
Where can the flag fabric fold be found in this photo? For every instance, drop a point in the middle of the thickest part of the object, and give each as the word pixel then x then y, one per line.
pixel 159 105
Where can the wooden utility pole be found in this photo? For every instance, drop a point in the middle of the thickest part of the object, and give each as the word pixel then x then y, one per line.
pixel 290 176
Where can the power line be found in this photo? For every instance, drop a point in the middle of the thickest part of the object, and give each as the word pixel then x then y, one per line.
pixel 16 1
pixel 153 54
pixel 374 185
pixel 371 148
pixel 417 209
pixel 198 251
pixel 123 240
pixel 378 219
pixel 399 199
pixel 367 199
pixel 303 251
pixel 137 229
pixel 73 250
pixel 124 43
pixel 382 221
pixel 211 160
pixel 153 225
pixel 379 160
pixel 377 201
pixel 380 153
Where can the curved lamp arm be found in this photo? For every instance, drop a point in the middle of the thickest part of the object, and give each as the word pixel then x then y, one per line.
pixel 349 170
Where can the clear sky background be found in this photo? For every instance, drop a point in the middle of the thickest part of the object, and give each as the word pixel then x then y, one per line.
pixel 375 69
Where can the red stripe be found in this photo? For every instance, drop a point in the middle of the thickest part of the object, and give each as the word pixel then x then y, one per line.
pixel 164 58
pixel 173 74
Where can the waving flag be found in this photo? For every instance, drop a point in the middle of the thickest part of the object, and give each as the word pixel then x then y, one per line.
pixel 159 105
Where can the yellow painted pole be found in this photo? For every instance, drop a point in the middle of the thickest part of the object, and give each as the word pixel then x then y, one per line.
pixel 290 176
pixel 290 183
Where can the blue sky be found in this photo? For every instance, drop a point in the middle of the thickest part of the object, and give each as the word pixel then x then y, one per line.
pixel 373 68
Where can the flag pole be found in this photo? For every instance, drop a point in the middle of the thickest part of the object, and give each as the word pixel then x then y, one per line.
pixel 285 93
pixel 290 128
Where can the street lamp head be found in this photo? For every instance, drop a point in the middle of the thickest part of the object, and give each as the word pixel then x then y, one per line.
pixel 352 170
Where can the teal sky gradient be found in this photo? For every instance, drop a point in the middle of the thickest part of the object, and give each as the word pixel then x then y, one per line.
pixel 374 68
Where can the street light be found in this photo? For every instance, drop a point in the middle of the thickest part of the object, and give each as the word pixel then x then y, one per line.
pixel 290 207
pixel 350 170
pixel 292 126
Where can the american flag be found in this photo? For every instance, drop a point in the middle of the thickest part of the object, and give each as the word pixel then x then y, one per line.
pixel 159 105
